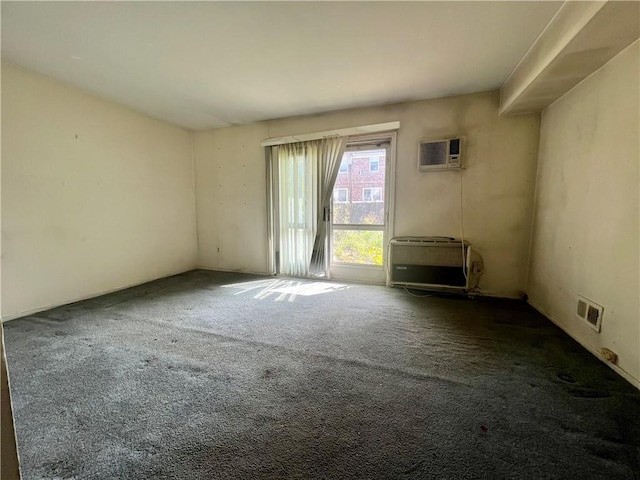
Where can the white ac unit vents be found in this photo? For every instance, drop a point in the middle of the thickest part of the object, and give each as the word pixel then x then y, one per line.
pixel 440 154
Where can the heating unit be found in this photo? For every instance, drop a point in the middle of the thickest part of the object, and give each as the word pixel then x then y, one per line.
pixel 430 263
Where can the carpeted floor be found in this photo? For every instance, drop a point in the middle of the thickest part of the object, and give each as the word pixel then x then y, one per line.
pixel 211 375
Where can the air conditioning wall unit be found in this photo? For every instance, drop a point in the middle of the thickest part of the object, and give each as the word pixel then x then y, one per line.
pixel 430 263
pixel 443 154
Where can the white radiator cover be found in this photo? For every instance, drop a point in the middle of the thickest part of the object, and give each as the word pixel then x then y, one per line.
pixel 430 263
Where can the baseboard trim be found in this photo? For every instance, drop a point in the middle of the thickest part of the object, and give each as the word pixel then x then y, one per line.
pixel 247 272
pixel 26 313
pixel 593 350
pixel 514 296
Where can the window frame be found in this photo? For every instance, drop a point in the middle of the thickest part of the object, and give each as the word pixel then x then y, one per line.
pixel 379 189
pixel 346 190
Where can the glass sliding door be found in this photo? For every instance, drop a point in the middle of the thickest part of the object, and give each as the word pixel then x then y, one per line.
pixel 359 220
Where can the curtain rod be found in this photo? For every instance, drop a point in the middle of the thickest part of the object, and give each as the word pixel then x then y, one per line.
pixel 375 128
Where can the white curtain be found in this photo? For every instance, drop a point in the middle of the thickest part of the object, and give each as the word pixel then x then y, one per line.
pixel 331 151
pixel 297 189
pixel 306 174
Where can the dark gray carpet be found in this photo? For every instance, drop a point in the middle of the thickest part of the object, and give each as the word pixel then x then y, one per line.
pixel 199 377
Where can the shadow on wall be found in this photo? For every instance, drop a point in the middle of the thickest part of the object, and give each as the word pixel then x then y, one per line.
pixel 10 468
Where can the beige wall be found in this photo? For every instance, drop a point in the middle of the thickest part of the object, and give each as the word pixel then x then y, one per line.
pixel 585 237
pixel 95 197
pixel 497 195
pixel 9 464
pixel 231 198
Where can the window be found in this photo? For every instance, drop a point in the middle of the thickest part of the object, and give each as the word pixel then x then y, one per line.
pixel 374 164
pixel 344 167
pixel 341 195
pixel 373 194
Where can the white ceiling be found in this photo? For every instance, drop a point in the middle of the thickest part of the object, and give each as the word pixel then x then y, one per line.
pixel 212 64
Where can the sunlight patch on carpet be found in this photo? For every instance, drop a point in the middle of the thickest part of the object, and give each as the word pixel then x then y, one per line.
pixel 285 290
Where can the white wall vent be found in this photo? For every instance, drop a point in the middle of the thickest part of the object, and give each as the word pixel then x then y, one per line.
pixel 582 309
pixel 590 312
pixel 440 154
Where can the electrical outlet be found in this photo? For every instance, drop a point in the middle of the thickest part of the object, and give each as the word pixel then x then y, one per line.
pixel 609 355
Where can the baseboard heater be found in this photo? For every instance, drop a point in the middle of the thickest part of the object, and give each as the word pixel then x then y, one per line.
pixel 430 263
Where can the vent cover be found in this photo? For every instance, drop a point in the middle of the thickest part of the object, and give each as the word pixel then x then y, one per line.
pixel 593 315
pixel 590 312
pixel 582 309
pixel 433 153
